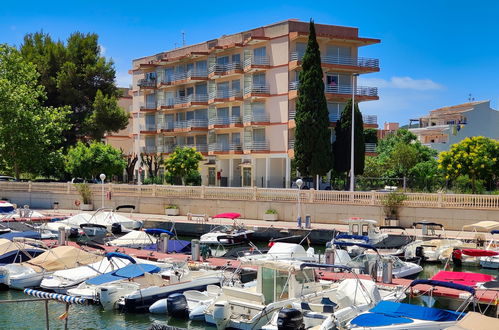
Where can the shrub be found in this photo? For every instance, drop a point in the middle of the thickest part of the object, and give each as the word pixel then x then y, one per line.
pixel 171 206
pixel 392 202
pixel 271 211
pixel 85 192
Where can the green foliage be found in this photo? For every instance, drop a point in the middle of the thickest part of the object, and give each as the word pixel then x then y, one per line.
pixel 313 153
pixel 342 145
pixel 271 211
pixel 107 116
pixel 90 161
pixel 464 185
pixel 403 158
pixel 153 180
pixel 29 131
pixel 392 202
pixel 426 176
pixel 183 163
pixel 72 75
pixel 475 158
pixel 172 206
pixel 85 192
pixel 371 135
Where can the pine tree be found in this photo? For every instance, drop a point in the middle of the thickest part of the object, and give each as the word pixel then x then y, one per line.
pixel 313 152
pixel 342 145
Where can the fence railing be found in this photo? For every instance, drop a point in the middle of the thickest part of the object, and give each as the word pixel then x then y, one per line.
pixel 438 200
pixel 341 60
pixel 222 68
pixel 257 60
pixel 224 94
pixel 257 89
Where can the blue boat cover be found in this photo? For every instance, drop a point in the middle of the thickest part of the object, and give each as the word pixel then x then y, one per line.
pixel 25 234
pixel 127 272
pixel 388 312
pixel 365 246
pixel 450 285
pixel 110 255
pixel 347 236
pixel 496 231
pixel 174 246
pixel 157 231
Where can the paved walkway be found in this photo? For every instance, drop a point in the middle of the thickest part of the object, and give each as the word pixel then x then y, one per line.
pixel 259 223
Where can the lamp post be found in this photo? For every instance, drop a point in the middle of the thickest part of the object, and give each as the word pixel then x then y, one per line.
pixel 299 183
pixel 352 149
pixel 102 178
pixel 139 179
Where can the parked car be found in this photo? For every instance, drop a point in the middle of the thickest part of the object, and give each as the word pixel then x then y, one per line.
pixel 7 178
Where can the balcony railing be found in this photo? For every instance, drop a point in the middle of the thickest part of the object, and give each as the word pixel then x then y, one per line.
pixel 146 82
pixel 198 147
pixel 148 127
pixel 257 60
pixel 370 147
pixel 185 124
pixel 148 105
pixel 370 119
pixel 256 118
pixel 167 148
pixel 170 102
pixel 342 60
pixel 345 89
pixel 223 68
pixel 191 98
pixel 169 125
pixel 293 85
pixel 149 149
pixel 225 147
pixel 333 117
pixel 225 120
pixel 291 144
pixel 291 114
pixel 256 145
pixel 257 89
pixel 224 94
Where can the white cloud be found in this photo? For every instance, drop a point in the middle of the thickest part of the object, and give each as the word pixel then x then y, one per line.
pixel 123 79
pixel 402 83
pixel 102 50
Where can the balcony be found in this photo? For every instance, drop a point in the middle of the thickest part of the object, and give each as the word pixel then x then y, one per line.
pixel 291 144
pixel 189 125
pixel 370 147
pixel 256 63
pixel 257 90
pixel 167 104
pixel 256 146
pixel 167 148
pixel 185 77
pixel 148 128
pixel 193 99
pixel 293 85
pixel 360 63
pixel 370 119
pixel 220 96
pixel 334 117
pixel 148 149
pixel 225 69
pixel 341 92
pixel 218 122
pixel 254 118
pixel 147 83
pixel 148 106
pixel 166 126
pixel 225 147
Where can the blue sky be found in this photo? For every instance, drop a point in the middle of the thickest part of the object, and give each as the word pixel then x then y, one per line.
pixel 432 53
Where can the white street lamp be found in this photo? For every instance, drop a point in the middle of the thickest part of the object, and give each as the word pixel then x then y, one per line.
pixel 102 178
pixel 299 183
pixel 352 149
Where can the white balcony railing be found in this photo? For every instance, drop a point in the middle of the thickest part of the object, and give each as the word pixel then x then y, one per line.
pixel 225 147
pixel 149 149
pixel 291 144
pixel 293 85
pixel 184 124
pixel 370 147
pixel 342 60
pixel 224 94
pixel 199 147
pixel 257 60
pixel 346 89
pixel 148 105
pixel 146 82
pixel 291 114
pixel 170 102
pixel 333 117
pixel 256 118
pixel 148 127
pixel 256 145
pixel 257 89
pixel 225 120
pixel 370 119
pixel 223 68
pixel 191 98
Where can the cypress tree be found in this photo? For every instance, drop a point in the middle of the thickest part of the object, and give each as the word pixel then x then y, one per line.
pixel 342 145
pixel 313 153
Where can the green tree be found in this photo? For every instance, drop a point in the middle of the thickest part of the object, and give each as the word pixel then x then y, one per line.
pixel 342 145
pixel 29 131
pixel 89 161
pixel 72 74
pixel 371 135
pixel 403 158
pixel 475 157
pixel 426 176
pixel 313 152
pixel 183 162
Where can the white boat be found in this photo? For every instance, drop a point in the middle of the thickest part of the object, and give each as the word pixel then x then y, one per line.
pixel 226 235
pixel 283 251
pixel 369 262
pixel 63 280
pixel 434 250
pixel 30 274
pixel 134 239
pixel 9 211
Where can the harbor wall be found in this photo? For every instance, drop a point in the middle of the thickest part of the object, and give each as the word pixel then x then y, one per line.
pixel 147 201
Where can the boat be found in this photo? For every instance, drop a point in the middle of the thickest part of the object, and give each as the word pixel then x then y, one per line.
pixel 491 261
pixel 396 315
pixel 476 321
pixel 464 278
pixel 16 251
pixel 30 274
pixel 63 280
pixel 9 211
pixel 227 234
pixel 283 251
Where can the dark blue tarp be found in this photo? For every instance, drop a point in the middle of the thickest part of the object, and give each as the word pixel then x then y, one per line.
pixel 495 231
pixel 388 312
pixel 174 245
pixel 6 209
pixel 25 234
pixel 365 246
pixel 157 231
pixel 347 236
pixel 130 271
pixel 110 255
pixel 444 284
pixel 19 256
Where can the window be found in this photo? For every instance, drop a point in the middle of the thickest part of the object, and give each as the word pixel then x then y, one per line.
pixel 190 115
pixel 190 67
pixel 260 52
pixel 224 60
pixel 236 138
pixel 236 85
pixel 332 80
pixel 258 108
pixel 223 89
pixel 201 114
pixel 259 135
pixel 201 67
pixel 247 177
pixel 201 89
pixel 169 74
pixel 300 49
pixel 190 140
pixel 259 79
pixel 338 51
pixel 236 111
pixel 222 112
pixel 211 176
pixel 190 90
pixel 355 229
pixel 236 58
pixel 200 139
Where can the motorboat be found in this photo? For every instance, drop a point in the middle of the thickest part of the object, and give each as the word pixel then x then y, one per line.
pixel 150 239
pixel 491 261
pixel 227 234
pixel 30 274
pixel 283 251
pixel 63 280
pixel 9 211
pixel 17 251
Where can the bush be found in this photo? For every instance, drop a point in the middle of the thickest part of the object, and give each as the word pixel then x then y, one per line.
pixel 464 185
pixel 392 202
pixel 153 180
pixel 85 192
pixel 271 211
pixel 172 206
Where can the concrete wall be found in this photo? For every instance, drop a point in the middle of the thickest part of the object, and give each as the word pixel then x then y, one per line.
pixel 323 213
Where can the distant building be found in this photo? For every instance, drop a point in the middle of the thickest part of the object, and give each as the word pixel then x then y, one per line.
pixel 388 128
pixel 123 139
pixel 449 125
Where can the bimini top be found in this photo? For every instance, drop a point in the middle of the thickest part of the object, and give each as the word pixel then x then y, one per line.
pixel 7 246
pixel 479 253
pixel 127 272
pixel 482 226
pixel 388 313
pixel 446 284
pixel 228 215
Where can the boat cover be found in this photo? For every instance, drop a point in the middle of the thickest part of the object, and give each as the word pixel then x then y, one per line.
pixel 444 284
pixel 476 321
pixel 174 246
pixel 62 257
pixel 479 253
pixel 393 242
pixel 135 238
pixel 229 215
pixel 158 231
pixel 492 285
pixel 128 272
pixel 365 246
pixel 387 312
pixel 6 207
pixel 494 232
pixel 469 279
pixel 25 234
pixel 17 251
pixel 347 236
pixel 482 226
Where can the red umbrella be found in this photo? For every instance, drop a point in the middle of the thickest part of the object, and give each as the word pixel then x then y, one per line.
pixel 229 215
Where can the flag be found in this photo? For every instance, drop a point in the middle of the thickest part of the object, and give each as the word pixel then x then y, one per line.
pixel 64 316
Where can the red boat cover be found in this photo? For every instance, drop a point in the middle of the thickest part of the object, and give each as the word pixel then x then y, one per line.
pixel 229 215
pixel 479 253
pixel 470 279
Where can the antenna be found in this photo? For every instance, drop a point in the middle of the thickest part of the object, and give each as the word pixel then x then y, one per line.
pixel 183 38
pixel 470 98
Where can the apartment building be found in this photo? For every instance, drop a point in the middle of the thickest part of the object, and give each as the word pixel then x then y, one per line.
pixel 234 98
pixel 446 126
pixel 123 139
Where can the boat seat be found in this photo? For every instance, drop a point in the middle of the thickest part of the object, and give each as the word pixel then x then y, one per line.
pixel 243 294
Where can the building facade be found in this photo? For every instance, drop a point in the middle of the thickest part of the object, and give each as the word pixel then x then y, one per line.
pixel 234 98
pixel 446 126
pixel 123 139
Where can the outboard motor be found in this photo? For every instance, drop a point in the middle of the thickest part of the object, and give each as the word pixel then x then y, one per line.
pixel 116 228
pixel 176 305
pixel 290 319
pixel 420 253
pixel 74 233
pixel 457 257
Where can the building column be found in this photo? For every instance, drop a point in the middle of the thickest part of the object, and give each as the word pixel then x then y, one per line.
pixel 253 172
pixel 288 171
pixel 267 171
pixel 231 171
